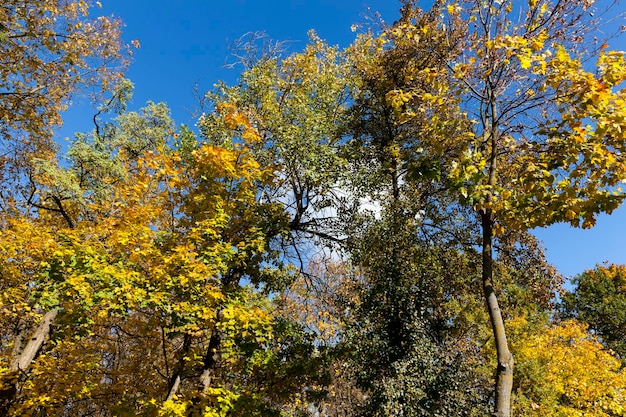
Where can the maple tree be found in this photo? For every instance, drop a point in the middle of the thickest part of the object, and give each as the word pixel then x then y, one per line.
pixel 541 141
pixel 563 370
pixel 140 248
pixel 143 269
pixel 50 50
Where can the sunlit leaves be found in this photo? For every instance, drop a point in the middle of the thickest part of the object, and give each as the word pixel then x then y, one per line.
pixel 145 270
pixel 50 50
pixel 565 371
pixel 538 136
pixel 158 249
pixel 289 112
pixel 566 167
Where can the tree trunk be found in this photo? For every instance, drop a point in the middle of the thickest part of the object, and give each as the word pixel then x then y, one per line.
pixel 21 362
pixel 176 378
pixel 504 371
pixel 24 360
pixel 210 361
pixel 209 364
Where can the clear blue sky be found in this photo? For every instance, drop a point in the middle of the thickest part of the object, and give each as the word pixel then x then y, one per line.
pixel 184 43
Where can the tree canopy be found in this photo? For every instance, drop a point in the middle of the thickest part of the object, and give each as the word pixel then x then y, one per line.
pixel 325 239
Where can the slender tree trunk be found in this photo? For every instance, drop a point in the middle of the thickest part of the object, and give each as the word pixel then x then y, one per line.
pixel 208 366
pixel 21 362
pixel 210 361
pixel 176 377
pixel 504 372
pixel 173 387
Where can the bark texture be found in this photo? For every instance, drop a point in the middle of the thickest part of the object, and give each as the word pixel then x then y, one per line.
pixel 504 372
pixel 23 360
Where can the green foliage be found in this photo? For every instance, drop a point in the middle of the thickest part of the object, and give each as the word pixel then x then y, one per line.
pixel 291 113
pixel 162 255
pixel 599 300
pixel 405 346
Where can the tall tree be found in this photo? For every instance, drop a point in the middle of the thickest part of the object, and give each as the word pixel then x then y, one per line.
pixel 297 105
pixel 599 300
pixel 543 139
pixel 417 362
pixel 142 258
pixel 49 50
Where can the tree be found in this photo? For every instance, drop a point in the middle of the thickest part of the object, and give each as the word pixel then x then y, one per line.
pixel 145 273
pixel 411 354
pixel 142 258
pixel 599 301
pixel 450 111
pixel 563 370
pixel 417 356
pixel 50 49
pixel 297 106
pixel 542 139
pixel 392 158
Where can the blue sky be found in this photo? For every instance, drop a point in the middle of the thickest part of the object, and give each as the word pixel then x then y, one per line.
pixel 185 43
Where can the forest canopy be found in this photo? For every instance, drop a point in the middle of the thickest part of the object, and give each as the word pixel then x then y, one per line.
pixel 343 231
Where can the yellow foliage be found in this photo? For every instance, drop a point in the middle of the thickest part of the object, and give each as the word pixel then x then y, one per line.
pixel 563 370
pixel 40 73
pixel 173 408
pixel 234 120
pixel 134 279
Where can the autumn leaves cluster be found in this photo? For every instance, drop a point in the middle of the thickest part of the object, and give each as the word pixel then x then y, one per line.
pixel 326 240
